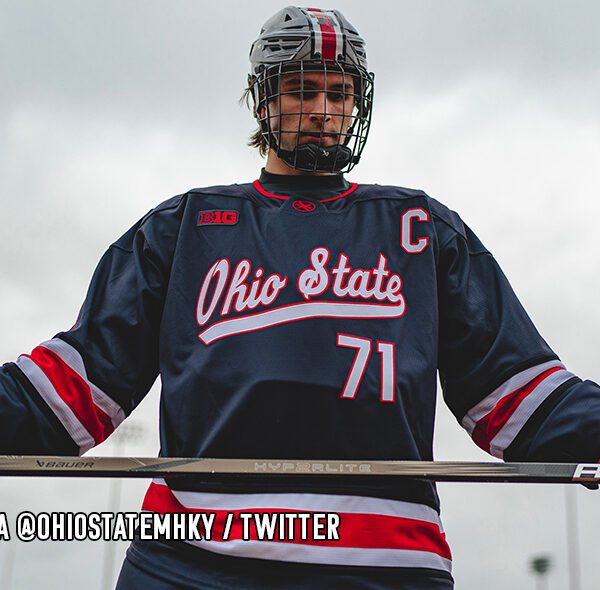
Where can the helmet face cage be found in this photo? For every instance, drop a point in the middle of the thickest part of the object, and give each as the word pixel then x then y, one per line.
pixel 344 106
pixel 312 92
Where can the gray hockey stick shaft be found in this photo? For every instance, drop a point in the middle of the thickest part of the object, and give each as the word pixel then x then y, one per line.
pixel 44 466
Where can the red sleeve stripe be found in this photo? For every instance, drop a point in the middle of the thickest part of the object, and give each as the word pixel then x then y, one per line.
pixel 494 427
pixel 487 404
pixel 72 358
pixel 44 387
pixel 377 538
pixel 86 412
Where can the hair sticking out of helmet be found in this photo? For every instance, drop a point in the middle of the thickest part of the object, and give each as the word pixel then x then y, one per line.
pixel 312 92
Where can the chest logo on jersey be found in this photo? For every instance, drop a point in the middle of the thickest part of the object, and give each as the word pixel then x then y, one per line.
pixel 214 217
pixel 303 206
pixel 357 293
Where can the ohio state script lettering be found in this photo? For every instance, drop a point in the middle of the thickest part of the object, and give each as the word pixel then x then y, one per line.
pixel 359 293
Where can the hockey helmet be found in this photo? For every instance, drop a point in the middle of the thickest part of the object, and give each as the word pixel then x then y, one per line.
pixel 300 40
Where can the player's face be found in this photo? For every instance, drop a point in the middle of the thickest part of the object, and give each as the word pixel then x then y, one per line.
pixel 313 107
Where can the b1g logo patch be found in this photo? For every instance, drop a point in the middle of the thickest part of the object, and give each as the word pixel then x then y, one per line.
pixel 214 217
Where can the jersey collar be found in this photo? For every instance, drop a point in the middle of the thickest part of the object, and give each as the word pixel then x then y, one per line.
pixel 304 194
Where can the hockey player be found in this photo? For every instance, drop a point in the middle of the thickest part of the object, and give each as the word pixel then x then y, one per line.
pixel 301 316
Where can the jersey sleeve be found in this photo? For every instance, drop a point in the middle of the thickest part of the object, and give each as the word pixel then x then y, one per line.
pixel 72 391
pixel 501 380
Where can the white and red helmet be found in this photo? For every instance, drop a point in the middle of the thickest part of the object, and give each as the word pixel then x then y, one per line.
pixel 308 39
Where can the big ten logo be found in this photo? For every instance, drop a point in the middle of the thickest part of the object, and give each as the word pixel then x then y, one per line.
pixel 217 217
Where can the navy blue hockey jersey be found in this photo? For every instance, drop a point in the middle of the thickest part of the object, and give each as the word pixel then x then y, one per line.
pixel 295 327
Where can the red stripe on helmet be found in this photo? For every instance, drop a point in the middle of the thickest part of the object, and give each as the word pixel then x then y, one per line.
pixel 328 34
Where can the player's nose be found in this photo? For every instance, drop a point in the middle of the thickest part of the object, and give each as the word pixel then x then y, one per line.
pixel 320 107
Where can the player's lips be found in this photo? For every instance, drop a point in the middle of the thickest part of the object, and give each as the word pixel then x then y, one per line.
pixel 320 138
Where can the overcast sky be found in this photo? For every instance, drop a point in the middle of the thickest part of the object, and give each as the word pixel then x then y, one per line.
pixel 108 108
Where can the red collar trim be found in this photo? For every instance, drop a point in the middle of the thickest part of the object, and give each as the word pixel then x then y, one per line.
pixel 256 184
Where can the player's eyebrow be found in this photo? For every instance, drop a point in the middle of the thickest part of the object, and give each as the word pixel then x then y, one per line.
pixel 312 85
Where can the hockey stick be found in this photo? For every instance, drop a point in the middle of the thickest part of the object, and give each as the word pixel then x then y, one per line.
pixel 44 466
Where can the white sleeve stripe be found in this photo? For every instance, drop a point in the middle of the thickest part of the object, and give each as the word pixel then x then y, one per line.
pixel 525 410
pixel 486 405
pixel 71 357
pixel 44 387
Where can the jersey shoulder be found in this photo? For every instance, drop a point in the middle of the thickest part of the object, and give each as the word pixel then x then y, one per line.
pixel 446 219
pixel 447 222
pixel 222 190
pixel 174 208
pixel 379 191
pixel 164 207
pixel 450 227
pixel 179 201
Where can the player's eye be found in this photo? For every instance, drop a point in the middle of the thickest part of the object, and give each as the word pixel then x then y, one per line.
pixel 301 94
pixel 336 96
pixel 308 95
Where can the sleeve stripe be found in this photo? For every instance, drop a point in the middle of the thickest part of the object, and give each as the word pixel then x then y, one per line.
pixel 488 427
pixel 495 430
pixel 525 410
pixel 71 357
pixel 44 387
pixel 486 405
pixel 57 372
pixel 75 392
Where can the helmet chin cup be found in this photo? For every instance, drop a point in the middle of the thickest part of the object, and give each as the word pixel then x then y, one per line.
pixel 311 156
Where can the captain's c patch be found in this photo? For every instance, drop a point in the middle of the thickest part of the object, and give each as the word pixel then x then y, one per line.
pixel 214 217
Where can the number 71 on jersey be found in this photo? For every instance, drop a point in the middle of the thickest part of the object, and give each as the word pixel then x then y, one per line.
pixel 387 363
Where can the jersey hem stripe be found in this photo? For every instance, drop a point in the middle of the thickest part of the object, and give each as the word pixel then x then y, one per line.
pixel 404 538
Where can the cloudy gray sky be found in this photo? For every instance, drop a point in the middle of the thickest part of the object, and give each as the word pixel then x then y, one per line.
pixel 108 108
